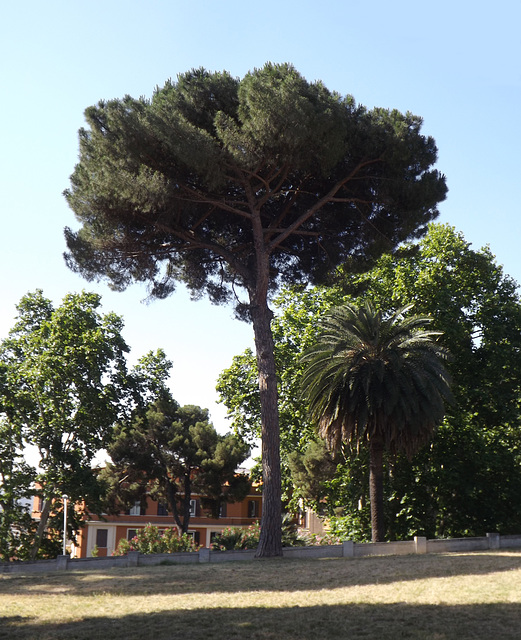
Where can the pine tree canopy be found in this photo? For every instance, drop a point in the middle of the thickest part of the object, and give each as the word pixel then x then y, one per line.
pixel 193 183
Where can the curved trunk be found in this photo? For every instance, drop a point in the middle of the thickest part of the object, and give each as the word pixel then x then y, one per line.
pixel 376 488
pixel 42 526
pixel 270 543
pixel 172 502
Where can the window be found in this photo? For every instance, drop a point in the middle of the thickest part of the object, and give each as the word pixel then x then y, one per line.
pixel 196 535
pixel 137 509
pixel 101 538
pixel 193 508
pixel 131 533
pixel 162 509
pixel 222 510
pixel 252 509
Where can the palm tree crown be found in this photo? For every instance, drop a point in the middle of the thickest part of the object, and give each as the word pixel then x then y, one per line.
pixel 376 379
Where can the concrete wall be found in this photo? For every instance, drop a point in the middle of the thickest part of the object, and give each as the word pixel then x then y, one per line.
pixel 346 550
pixel 457 544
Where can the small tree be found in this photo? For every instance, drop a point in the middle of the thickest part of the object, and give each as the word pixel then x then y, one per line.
pixel 172 452
pixel 379 381
pixel 237 187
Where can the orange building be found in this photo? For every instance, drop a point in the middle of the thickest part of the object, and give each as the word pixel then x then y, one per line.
pixel 105 533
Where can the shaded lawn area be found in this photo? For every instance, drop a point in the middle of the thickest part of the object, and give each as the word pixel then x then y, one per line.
pixel 434 597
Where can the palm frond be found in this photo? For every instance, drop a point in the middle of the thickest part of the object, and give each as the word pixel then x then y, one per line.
pixel 373 376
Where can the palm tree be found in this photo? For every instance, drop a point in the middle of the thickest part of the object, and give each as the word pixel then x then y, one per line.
pixel 377 380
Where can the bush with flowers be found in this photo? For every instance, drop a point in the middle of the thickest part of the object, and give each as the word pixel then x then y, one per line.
pixel 152 540
pixel 237 538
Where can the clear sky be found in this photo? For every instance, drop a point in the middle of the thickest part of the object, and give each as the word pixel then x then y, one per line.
pixel 457 64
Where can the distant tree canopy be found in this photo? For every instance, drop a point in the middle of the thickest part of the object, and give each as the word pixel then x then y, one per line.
pixel 172 452
pixel 63 384
pixel 468 480
pixel 66 391
pixel 237 187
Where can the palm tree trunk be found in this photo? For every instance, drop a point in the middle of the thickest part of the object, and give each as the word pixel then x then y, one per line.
pixel 376 488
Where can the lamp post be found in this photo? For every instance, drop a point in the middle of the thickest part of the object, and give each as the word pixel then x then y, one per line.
pixel 65 498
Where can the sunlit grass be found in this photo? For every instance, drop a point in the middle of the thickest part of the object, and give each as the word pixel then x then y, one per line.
pixel 434 597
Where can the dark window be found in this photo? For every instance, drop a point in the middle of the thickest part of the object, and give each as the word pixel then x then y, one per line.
pixel 252 509
pixel 193 508
pixel 102 537
pixel 131 533
pixel 162 509
pixel 222 510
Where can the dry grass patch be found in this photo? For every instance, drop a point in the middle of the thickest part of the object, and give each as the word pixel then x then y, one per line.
pixel 433 597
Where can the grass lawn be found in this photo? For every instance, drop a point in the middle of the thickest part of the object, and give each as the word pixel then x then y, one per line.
pixel 432 597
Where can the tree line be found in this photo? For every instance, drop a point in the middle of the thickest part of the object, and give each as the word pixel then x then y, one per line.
pixel 243 188
pixel 467 479
pixel 66 391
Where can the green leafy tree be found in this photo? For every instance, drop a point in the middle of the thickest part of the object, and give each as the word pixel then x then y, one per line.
pixel 64 379
pixel 312 471
pixel 378 381
pixel 236 187
pixel 16 481
pixel 171 452
pixel 16 489
pixel 468 480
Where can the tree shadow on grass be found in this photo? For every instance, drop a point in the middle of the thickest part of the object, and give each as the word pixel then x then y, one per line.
pixel 270 575
pixel 338 622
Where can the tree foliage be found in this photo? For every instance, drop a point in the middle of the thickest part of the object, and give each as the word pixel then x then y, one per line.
pixel 63 380
pixel 171 452
pixel 376 380
pixel 468 480
pixel 240 186
pixel 16 489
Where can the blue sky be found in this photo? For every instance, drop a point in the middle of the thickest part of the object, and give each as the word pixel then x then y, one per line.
pixel 456 64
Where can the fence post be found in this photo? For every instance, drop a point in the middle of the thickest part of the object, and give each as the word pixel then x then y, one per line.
pixel 348 549
pixel 420 544
pixel 493 540
pixel 133 559
pixel 61 563
pixel 204 554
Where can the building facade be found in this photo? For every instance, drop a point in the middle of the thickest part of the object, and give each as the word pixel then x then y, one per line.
pixel 103 534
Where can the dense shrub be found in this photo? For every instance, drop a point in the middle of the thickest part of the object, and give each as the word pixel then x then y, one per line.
pixel 237 538
pixel 152 540
pixel 320 539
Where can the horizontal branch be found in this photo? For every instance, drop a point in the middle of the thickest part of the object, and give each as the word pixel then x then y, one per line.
pixel 319 204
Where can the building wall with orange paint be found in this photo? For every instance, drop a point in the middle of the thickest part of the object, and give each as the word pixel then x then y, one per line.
pixel 105 534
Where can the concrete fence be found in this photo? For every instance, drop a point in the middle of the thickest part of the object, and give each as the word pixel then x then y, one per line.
pixel 347 549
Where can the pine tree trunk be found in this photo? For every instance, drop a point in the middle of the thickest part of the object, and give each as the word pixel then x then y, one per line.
pixel 376 488
pixel 270 543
